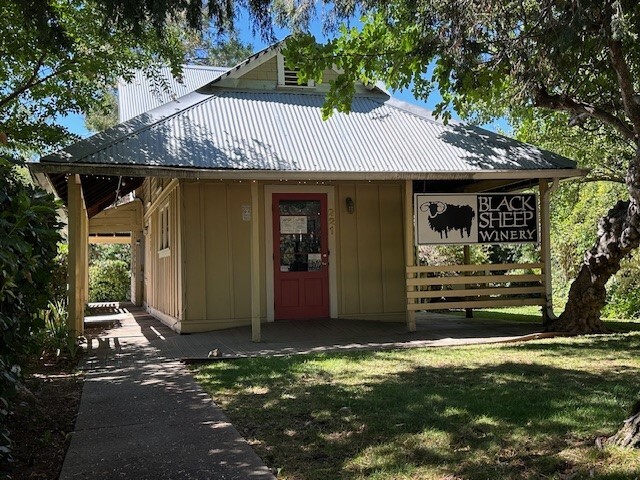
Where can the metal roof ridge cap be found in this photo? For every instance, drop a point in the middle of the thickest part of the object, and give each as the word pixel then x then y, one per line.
pixel 107 141
pixel 195 66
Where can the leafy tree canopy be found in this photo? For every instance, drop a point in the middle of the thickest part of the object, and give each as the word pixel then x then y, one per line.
pixel 491 56
pixel 65 66
pixel 205 48
pixel 509 57
pixel 65 54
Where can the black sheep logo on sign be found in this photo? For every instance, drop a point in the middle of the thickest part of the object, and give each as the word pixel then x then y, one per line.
pixel 444 217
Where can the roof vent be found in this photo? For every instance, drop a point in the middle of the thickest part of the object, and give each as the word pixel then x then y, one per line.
pixel 289 77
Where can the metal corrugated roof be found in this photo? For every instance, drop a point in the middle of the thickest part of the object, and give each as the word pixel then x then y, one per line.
pixel 141 93
pixel 284 132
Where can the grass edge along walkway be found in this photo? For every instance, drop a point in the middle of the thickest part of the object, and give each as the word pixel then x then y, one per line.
pixel 530 410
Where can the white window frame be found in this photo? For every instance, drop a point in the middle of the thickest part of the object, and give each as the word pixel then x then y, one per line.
pixel 164 244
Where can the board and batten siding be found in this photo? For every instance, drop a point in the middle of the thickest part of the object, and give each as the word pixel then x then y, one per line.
pixel 217 253
pixel 371 271
pixel 163 290
pixel 123 218
pixel 265 76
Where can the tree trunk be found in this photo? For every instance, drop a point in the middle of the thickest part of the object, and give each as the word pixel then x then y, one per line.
pixel 587 295
pixel 629 434
pixel 618 235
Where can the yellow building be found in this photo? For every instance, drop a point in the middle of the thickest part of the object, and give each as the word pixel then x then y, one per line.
pixel 250 208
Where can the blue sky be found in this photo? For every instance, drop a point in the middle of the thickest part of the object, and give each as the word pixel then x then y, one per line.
pixel 76 122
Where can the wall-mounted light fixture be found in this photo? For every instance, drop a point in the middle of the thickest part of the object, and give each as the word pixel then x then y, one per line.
pixel 351 206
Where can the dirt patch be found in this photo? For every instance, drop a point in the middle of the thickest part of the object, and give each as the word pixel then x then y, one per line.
pixel 43 417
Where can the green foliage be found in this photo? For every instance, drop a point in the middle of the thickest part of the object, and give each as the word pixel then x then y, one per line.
pixel 28 246
pixel 109 273
pixel 623 295
pixel 593 146
pixel 103 115
pixel 576 211
pixel 450 254
pixel 59 274
pixel 57 341
pixel 110 251
pixel 578 207
pixel 487 57
pixel 50 74
pixel 207 49
pixel 109 281
pixel 478 254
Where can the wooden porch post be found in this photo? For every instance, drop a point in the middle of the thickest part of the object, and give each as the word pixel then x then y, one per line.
pixel 466 254
pixel 255 264
pixel 409 249
pixel 136 267
pixel 77 269
pixel 545 247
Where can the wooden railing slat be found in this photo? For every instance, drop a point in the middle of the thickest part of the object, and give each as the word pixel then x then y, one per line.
pixel 475 279
pixel 516 302
pixel 473 268
pixel 475 292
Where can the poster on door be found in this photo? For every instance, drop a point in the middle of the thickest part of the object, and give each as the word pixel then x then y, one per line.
pixel 295 224
pixel 476 218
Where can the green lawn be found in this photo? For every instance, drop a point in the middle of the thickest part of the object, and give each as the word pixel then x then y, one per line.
pixel 532 314
pixel 529 410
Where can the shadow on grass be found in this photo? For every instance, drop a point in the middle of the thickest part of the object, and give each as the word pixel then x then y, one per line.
pixel 622 326
pixel 503 316
pixel 317 419
pixel 614 325
pixel 600 347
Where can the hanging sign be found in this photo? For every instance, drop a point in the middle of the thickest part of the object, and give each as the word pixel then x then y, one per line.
pixel 476 218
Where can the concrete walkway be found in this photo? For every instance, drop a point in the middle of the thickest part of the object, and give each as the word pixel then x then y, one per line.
pixel 142 416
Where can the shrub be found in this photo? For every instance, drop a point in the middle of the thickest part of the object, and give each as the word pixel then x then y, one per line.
pixel 109 281
pixel 59 274
pixel 28 245
pixel 57 341
pixel 623 295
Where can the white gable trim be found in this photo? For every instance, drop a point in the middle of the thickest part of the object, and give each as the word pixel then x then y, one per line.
pixel 249 64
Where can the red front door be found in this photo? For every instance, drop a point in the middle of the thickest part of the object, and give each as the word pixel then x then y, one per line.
pixel 301 255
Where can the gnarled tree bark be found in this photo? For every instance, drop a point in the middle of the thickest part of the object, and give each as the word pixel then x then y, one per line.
pixel 629 434
pixel 588 295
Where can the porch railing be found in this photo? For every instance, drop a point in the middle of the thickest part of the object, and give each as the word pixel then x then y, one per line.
pixel 474 286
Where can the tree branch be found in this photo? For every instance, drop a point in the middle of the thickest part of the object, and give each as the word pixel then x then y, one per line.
pixel 34 81
pixel 544 99
pixel 26 85
pixel 626 84
pixel 602 178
